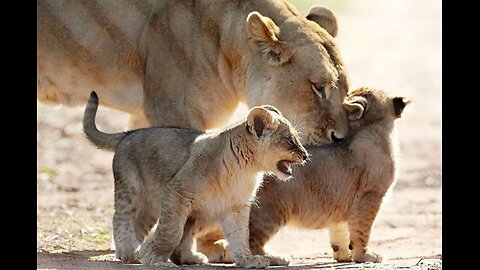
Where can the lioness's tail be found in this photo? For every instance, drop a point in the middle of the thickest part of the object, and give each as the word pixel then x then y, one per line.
pixel 100 139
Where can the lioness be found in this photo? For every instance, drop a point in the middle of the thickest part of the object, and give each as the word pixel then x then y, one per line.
pixel 190 63
pixel 164 175
pixel 341 188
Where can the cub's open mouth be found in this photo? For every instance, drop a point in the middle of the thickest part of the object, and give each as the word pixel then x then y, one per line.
pixel 285 166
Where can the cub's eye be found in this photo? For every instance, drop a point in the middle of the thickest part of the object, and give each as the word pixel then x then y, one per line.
pixel 290 141
pixel 319 89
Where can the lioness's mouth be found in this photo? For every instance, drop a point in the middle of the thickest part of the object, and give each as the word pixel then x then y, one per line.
pixel 285 166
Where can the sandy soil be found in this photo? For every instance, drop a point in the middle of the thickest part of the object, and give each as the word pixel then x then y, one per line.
pixel 392 45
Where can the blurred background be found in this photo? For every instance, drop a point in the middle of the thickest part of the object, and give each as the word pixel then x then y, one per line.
pixel 391 45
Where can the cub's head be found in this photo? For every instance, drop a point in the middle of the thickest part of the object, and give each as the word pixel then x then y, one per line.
pixel 278 143
pixel 366 106
pixel 296 66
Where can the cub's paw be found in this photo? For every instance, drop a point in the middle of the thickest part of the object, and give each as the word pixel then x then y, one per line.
pixel 148 257
pixel 195 258
pixel 218 252
pixel 127 257
pixel 279 260
pixel 251 261
pixel 342 255
pixel 367 256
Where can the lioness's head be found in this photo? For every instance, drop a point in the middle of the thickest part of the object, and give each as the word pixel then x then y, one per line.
pixel 277 140
pixel 365 106
pixel 296 67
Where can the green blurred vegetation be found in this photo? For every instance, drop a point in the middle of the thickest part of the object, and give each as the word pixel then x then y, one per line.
pixel 304 5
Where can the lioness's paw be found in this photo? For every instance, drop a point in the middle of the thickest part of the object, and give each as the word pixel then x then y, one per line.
pixel 342 255
pixel 367 256
pixel 251 261
pixel 195 258
pixel 279 261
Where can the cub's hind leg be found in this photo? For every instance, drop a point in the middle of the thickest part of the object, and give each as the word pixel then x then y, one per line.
pixel 360 225
pixel 339 240
pixel 145 220
pixel 126 243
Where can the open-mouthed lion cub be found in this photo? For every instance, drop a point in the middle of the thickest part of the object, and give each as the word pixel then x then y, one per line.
pixel 165 175
pixel 341 188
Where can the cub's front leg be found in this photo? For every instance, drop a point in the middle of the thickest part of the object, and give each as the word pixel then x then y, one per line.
pixel 235 226
pixel 185 253
pixel 173 215
pixel 339 241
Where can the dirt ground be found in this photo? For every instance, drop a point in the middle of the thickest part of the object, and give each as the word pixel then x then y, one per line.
pixel 393 45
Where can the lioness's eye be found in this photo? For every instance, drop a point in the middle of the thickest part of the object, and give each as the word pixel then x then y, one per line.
pixel 319 90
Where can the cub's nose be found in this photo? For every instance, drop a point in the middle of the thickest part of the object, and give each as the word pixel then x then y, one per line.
pixel 305 156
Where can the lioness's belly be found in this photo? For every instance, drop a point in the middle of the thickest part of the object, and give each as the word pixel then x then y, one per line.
pixel 70 84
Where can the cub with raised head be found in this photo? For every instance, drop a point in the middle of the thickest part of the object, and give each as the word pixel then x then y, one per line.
pixel 164 175
pixel 341 188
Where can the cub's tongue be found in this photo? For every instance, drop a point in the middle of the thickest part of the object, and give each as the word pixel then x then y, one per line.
pixel 285 167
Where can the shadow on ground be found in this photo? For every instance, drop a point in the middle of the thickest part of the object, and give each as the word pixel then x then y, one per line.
pixel 105 259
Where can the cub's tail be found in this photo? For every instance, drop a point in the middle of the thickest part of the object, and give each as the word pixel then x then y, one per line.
pixel 100 139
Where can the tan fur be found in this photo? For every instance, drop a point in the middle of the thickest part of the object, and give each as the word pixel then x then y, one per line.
pixel 190 63
pixel 166 175
pixel 341 188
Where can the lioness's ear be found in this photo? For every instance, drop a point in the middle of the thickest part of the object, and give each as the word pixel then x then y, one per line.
pixel 399 104
pixel 355 107
pixel 263 35
pixel 324 17
pixel 261 122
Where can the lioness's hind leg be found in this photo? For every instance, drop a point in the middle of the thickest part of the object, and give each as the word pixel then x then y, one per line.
pixel 339 240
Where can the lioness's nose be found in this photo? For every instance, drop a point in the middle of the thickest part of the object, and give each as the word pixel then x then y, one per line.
pixel 305 156
pixel 335 137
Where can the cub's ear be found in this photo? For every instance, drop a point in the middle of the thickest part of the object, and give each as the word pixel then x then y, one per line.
pixel 263 36
pixel 261 122
pixel 324 17
pixel 399 104
pixel 272 108
pixel 355 107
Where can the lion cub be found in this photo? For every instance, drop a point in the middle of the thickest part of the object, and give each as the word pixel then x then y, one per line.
pixel 164 175
pixel 341 188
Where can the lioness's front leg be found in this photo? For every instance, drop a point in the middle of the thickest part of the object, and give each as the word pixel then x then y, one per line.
pixel 173 215
pixel 235 226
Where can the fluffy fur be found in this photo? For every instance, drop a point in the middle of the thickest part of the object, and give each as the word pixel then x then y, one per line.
pixel 165 175
pixel 341 188
pixel 190 63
